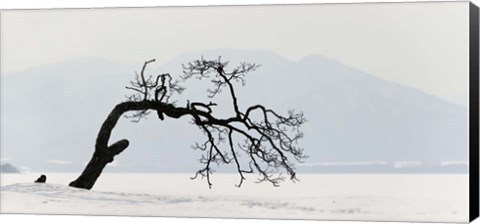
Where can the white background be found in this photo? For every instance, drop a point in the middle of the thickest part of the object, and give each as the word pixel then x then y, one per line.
pixel 32 4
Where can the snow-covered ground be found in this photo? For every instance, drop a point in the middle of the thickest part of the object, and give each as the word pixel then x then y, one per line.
pixel 390 197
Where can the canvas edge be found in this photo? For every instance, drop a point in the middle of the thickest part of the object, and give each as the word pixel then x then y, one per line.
pixel 474 111
pixel 82 5
pixel 1 102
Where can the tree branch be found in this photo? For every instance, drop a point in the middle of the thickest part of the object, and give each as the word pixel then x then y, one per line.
pixel 268 141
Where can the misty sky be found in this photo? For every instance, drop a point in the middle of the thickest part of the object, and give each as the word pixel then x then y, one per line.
pixel 408 43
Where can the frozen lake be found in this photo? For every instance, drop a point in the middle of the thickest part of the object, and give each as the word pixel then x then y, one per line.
pixel 379 197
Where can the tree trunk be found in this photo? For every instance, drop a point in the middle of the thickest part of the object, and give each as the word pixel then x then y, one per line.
pixel 99 160
pixel 103 153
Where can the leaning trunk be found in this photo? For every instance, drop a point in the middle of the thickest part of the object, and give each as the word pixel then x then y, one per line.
pixel 103 154
pixel 101 157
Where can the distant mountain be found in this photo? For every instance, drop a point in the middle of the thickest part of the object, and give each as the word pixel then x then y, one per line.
pixel 55 112
pixel 8 168
pixel 354 116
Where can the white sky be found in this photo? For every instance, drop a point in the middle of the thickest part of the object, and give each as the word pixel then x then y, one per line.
pixel 422 45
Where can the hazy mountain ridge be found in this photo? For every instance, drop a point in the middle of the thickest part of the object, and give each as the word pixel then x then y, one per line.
pixel 352 116
pixel 8 168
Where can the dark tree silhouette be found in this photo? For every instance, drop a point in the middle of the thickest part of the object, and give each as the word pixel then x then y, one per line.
pixel 268 139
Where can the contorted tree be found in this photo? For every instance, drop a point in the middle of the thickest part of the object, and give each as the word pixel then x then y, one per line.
pixel 268 139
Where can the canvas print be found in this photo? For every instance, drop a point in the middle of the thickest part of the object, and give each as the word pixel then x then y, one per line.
pixel 312 111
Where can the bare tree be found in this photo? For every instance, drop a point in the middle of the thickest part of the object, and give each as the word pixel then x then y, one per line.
pixel 268 140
